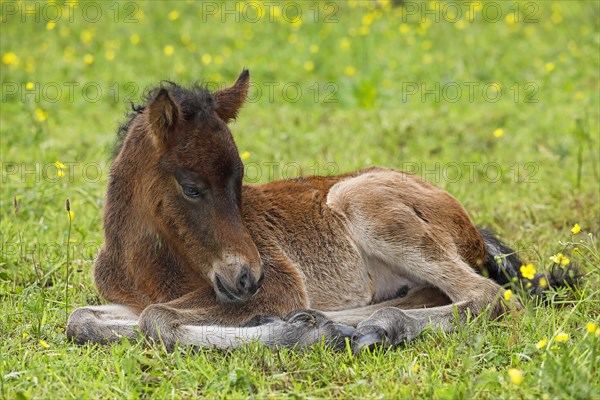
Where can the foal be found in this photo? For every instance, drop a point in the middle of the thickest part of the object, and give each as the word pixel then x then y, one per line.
pixel 192 256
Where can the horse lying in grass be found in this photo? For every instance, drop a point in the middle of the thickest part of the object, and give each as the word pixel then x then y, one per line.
pixel 193 256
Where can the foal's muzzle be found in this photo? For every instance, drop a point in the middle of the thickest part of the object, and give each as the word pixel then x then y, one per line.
pixel 246 286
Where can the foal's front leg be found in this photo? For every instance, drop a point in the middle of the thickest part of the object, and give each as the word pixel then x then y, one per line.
pixel 101 324
pixel 197 319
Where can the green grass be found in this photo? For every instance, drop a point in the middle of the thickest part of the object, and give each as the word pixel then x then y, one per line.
pixel 548 159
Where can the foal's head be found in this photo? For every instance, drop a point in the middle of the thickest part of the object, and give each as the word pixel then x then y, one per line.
pixel 193 178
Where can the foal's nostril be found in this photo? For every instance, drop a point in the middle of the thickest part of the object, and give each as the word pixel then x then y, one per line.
pixel 244 281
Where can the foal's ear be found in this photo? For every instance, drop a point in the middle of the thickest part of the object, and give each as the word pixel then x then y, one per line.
pixel 163 114
pixel 230 100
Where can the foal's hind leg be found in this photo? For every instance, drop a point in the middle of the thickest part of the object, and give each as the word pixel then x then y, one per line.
pixel 101 324
pixel 416 298
pixel 470 295
pixel 421 233
pixel 469 292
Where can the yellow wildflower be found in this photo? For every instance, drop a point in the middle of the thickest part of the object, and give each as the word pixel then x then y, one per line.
pixel 309 66
pixel 508 295
pixel 245 155
pixel 416 368
pixel 206 59
pixel 86 36
pixel 134 39
pixel 110 55
pixel 29 86
pixel 404 28
pixel 50 25
pixel 550 67
pixel 576 229
pixel 88 59
pixel 560 259
pixel 314 48
pixel 44 344
pixel 168 50
pixel 25 335
pixel 543 282
pixel 10 58
pixel 71 215
pixel 556 17
pixel 590 327
pixel 367 19
pixel 499 133
pixel 350 71
pixel 515 375
pixel 561 337
pixel 345 43
pixel 40 115
pixel 541 344
pixel 173 15
pixel 528 271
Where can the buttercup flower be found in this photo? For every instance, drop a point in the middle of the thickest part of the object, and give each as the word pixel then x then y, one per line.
pixel 59 169
pixel 528 271
pixel 508 294
pixel 40 115
pixel 576 229
pixel 561 337
pixel 560 259
pixel 10 58
pixel 88 59
pixel 590 327
pixel 541 344
pixel 515 375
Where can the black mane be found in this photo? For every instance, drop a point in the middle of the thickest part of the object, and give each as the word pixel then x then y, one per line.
pixel 194 101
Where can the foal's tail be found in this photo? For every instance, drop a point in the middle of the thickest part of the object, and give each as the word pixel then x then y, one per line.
pixel 503 266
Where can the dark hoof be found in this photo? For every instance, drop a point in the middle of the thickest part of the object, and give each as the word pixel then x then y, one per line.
pixel 367 341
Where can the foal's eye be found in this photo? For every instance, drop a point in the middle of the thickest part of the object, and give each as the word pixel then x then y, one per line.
pixel 191 191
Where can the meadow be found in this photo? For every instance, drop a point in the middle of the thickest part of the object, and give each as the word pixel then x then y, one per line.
pixel 496 102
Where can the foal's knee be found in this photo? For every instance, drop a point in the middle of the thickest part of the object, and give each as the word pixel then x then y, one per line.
pixel 159 323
